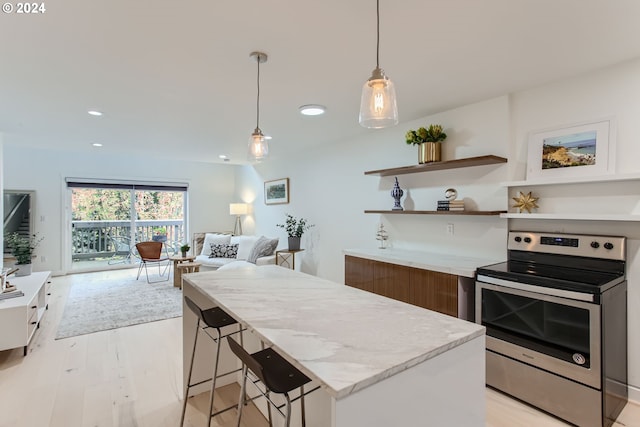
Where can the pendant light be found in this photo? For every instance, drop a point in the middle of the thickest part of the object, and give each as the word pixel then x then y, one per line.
pixel 258 145
pixel 378 107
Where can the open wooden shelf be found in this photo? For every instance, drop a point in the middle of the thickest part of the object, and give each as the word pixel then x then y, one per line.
pixel 436 166
pixel 483 213
pixel 573 216
pixel 578 180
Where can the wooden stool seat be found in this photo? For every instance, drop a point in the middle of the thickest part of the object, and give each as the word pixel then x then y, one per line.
pixel 189 267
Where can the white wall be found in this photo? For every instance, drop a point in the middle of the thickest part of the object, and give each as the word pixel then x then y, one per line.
pixel 614 91
pixel 1 185
pixel 211 189
pixel 329 188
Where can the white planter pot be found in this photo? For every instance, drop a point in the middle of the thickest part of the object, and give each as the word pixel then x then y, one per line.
pixel 23 269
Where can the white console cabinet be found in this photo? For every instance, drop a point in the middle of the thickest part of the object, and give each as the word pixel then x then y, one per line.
pixel 20 317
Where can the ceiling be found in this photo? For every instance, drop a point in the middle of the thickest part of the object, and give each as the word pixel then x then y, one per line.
pixel 175 80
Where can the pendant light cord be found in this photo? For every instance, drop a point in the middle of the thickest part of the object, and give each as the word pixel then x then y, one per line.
pixel 378 34
pixel 258 97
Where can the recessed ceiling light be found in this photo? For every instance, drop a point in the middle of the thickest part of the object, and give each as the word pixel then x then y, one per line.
pixel 223 156
pixel 97 144
pixel 95 113
pixel 312 110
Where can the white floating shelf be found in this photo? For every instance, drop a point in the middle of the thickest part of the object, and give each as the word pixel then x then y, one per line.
pixel 581 180
pixel 572 216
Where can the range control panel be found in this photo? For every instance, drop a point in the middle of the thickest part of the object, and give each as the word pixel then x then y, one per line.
pixel 608 247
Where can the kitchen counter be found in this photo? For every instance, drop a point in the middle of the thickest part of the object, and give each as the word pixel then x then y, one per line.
pixel 358 346
pixel 458 265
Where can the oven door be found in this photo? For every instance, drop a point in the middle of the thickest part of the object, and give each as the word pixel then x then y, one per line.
pixel 557 334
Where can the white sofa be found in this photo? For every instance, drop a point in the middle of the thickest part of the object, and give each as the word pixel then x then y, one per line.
pixel 202 249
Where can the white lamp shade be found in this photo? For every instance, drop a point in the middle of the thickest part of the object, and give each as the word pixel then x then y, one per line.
pixel 258 146
pixel 378 107
pixel 238 209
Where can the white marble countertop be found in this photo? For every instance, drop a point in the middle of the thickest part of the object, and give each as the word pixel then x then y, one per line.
pixel 459 265
pixel 344 338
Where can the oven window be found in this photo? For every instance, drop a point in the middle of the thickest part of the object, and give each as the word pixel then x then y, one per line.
pixel 545 326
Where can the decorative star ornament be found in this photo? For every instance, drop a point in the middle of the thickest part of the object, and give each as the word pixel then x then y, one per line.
pixel 526 202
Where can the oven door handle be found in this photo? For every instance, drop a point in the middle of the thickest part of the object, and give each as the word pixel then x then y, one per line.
pixel 580 296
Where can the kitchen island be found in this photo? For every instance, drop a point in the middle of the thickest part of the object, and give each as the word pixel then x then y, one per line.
pixel 379 362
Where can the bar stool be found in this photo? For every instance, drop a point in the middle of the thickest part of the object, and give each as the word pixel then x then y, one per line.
pixel 212 318
pixel 277 375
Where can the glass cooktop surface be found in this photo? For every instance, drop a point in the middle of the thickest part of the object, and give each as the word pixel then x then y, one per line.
pixel 554 276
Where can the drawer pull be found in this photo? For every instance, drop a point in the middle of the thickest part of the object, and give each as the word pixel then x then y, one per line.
pixel 34 323
pixel 34 306
pixel 49 294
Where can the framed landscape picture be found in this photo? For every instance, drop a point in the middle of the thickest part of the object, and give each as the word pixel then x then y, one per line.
pixel 276 191
pixel 581 150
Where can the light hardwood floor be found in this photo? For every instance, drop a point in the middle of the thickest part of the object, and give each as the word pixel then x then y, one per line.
pixel 132 377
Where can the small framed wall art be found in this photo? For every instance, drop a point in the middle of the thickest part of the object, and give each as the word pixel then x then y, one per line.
pixel 276 191
pixel 582 150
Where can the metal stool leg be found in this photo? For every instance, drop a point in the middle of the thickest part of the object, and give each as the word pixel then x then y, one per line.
pixel 243 389
pixel 288 417
pixel 269 408
pixel 304 417
pixel 186 391
pixel 215 373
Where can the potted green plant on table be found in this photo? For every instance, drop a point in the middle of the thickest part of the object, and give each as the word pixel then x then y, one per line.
pixel 184 249
pixel 428 141
pixel 295 228
pixel 22 248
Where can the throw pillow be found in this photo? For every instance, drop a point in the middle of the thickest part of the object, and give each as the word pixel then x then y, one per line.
pixel 212 238
pixel 245 244
pixel 223 251
pixel 263 247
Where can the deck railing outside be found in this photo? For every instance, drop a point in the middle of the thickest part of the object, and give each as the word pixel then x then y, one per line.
pixel 100 239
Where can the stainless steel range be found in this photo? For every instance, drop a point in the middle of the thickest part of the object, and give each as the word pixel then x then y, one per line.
pixel 556 319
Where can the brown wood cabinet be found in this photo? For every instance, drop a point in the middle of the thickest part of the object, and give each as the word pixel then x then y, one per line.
pixel 429 289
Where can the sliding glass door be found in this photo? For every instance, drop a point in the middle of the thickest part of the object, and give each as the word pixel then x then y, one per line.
pixel 108 219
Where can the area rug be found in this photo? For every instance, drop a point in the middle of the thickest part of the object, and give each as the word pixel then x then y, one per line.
pixel 103 305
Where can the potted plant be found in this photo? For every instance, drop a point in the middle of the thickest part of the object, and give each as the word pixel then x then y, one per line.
pixel 295 229
pixel 184 249
pixel 23 249
pixel 159 234
pixel 427 140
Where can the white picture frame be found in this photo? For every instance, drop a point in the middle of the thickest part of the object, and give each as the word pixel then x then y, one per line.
pixel 584 149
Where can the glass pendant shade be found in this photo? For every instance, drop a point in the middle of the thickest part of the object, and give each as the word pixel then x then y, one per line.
pixel 258 146
pixel 378 108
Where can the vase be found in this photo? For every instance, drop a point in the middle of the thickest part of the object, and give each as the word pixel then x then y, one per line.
pixel 429 152
pixel 396 193
pixel 294 243
pixel 23 269
pixel 159 238
pixel 184 254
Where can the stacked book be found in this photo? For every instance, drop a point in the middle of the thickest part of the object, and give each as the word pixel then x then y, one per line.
pixel 11 294
pixel 451 205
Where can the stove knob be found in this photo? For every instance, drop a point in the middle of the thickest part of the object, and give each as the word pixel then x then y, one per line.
pixel 595 245
pixel 527 239
pixel 608 245
pixel 518 239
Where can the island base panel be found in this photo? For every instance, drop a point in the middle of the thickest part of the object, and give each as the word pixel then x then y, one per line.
pixel 446 390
